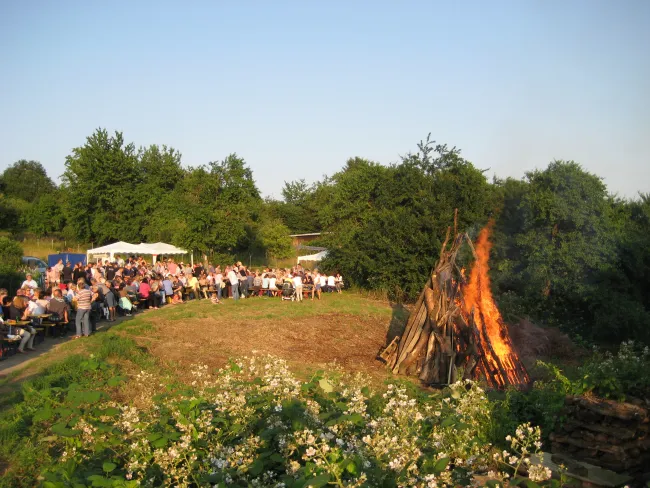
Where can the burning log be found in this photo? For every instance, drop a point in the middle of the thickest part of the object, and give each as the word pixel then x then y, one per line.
pixel 455 326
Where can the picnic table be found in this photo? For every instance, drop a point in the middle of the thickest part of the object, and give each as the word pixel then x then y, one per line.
pixel 8 347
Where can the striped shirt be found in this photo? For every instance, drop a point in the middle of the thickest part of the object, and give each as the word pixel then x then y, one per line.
pixel 84 297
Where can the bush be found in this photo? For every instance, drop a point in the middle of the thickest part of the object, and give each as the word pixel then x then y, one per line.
pixel 253 424
pixel 11 253
pixel 617 376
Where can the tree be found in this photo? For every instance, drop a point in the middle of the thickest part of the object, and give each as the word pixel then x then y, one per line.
pixel 383 224
pixel 296 192
pixel 11 253
pixel 26 180
pixel 9 215
pixel 45 215
pixel 101 189
pixel 558 237
pixel 274 236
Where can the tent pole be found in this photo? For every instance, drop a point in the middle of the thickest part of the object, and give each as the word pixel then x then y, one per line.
pixel 192 258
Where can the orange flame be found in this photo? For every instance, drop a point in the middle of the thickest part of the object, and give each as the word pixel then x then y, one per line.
pixel 502 360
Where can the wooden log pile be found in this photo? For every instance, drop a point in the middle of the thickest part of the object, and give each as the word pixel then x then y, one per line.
pixel 604 433
pixel 441 342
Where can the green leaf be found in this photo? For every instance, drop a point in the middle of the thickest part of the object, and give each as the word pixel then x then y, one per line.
pixel 448 422
pixel 256 467
pixel 440 465
pixel 318 481
pixel 43 414
pixel 115 380
pixel 351 467
pixel 277 458
pixel 91 396
pixel 108 466
pixel 326 385
pixel 63 430
pixel 531 484
pixel 159 443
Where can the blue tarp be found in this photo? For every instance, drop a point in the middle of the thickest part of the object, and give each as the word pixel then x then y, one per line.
pixel 71 257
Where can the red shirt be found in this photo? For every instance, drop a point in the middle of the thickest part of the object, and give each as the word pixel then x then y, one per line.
pixel 144 290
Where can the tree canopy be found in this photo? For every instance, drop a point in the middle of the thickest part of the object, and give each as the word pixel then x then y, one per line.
pixel 565 253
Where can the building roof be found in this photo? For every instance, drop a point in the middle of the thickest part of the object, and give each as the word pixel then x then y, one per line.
pixel 305 235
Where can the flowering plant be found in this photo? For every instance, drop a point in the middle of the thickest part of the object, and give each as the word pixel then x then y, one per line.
pixel 253 423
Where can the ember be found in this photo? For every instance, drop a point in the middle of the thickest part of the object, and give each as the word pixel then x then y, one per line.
pixel 456 328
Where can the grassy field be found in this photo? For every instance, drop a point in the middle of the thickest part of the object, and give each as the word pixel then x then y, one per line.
pixel 346 328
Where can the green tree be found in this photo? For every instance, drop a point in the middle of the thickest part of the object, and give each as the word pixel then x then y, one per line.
pixel 26 180
pixel 45 215
pixel 274 237
pixel 296 192
pixel 557 237
pixel 101 184
pixel 9 214
pixel 384 224
pixel 11 253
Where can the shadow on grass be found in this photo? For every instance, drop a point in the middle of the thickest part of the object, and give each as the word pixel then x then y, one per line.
pixel 399 317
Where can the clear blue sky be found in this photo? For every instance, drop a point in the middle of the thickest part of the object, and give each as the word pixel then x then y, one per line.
pixel 296 88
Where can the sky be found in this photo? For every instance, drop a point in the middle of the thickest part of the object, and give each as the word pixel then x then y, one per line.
pixel 296 88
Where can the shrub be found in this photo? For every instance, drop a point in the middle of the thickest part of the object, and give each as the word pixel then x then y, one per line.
pixel 617 375
pixel 254 424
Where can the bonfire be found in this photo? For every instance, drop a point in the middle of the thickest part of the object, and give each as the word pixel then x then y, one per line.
pixel 455 330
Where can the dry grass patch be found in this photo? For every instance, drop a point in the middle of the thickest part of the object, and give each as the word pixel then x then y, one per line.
pixel 347 330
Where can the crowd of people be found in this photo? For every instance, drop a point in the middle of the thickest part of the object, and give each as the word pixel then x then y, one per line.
pixel 99 291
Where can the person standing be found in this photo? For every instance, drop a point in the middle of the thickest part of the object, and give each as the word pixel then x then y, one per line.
pixel 67 273
pixel 78 273
pixel 297 283
pixel 84 303
pixel 234 283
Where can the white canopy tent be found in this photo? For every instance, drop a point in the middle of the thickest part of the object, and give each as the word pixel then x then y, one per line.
pixel 313 257
pixel 121 247
pixel 159 248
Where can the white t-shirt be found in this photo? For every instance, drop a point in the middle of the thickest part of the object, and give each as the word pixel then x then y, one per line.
pixel 30 283
pixel 330 281
pixel 322 280
pixel 35 308
pixel 232 277
pixel 272 282
pixel 265 283
pixel 297 281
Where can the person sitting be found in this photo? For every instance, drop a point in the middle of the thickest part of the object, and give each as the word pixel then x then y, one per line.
pixel 124 304
pixel 257 284
pixel 338 280
pixel 145 292
pixel 36 306
pixel 26 332
pixel 59 308
pixel 273 285
pixel 203 285
pixel 265 284
pixel 214 299
pixel 309 285
pixel 193 285
pixel 29 284
pixel 331 283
